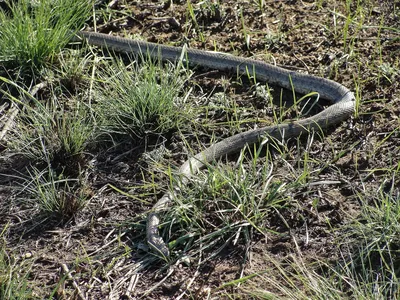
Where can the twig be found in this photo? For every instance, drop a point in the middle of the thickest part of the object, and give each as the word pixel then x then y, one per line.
pixel 171 270
pixel 106 245
pixel 69 276
pixel 13 112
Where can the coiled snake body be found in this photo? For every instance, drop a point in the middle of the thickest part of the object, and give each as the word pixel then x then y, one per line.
pixel 342 99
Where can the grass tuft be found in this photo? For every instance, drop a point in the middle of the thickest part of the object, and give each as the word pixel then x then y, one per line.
pixel 33 33
pixel 52 132
pixel 229 205
pixel 141 100
pixel 367 269
pixel 55 195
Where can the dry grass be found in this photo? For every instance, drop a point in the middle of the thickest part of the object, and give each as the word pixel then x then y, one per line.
pixel 86 155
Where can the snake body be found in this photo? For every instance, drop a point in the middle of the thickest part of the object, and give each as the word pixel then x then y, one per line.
pixel 341 108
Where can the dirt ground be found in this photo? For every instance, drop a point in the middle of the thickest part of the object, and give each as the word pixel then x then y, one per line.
pixel 300 35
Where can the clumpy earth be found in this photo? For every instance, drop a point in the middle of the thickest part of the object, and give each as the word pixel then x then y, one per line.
pixel 104 243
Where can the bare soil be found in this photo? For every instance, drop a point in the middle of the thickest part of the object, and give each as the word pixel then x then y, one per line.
pixel 300 35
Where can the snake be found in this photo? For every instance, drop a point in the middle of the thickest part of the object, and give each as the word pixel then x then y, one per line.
pixel 342 106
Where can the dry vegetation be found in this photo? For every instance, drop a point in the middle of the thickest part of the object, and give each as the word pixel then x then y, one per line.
pixel 90 140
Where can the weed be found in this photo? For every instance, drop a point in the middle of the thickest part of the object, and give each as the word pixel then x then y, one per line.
pixel 245 31
pixel 193 18
pixel 13 274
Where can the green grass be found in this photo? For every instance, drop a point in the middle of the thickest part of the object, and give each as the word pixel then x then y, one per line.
pixel 245 31
pixel 52 132
pixel 192 17
pixel 101 141
pixel 226 205
pixel 367 268
pixel 33 34
pixel 55 136
pixel 14 282
pixel 55 196
pixel 147 101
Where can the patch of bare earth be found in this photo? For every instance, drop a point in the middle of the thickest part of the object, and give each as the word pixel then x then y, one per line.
pixel 300 35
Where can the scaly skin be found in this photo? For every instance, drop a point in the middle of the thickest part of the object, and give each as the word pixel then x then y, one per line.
pixel 342 99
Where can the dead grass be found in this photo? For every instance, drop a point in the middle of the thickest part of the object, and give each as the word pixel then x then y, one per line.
pixel 313 218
